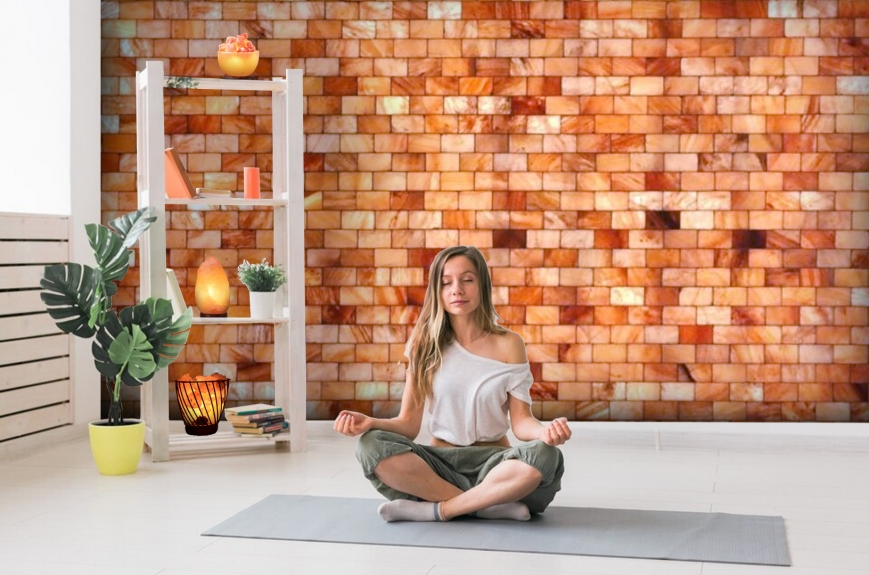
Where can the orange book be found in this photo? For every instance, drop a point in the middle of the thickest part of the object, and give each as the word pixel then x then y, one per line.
pixel 178 185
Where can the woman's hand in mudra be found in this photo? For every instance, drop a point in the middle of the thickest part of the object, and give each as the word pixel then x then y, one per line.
pixel 352 423
pixel 556 433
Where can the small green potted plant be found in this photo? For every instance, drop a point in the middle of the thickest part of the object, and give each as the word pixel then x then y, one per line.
pixel 262 280
pixel 130 346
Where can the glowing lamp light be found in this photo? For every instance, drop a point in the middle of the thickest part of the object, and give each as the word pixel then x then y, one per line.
pixel 238 64
pixel 202 399
pixel 212 289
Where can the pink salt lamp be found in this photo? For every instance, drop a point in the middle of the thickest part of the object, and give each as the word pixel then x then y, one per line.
pixel 212 289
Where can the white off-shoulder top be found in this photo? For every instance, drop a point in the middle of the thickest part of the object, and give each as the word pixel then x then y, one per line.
pixel 470 396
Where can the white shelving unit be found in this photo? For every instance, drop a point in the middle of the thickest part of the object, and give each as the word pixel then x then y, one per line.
pixel 288 184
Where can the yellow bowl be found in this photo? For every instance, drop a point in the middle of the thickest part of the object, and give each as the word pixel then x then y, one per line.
pixel 238 64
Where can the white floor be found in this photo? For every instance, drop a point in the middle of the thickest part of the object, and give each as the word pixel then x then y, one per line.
pixel 59 516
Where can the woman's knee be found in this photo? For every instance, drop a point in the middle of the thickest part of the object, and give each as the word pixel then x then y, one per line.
pixel 549 461
pixel 376 445
pixel 545 458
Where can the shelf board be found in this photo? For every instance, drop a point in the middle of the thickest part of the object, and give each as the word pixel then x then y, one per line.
pixel 236 320
pixel 224 84
pixel 225 440
pixel 225 202
pixel 241 319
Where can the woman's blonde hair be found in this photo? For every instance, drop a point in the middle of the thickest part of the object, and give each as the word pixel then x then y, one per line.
pixel 433 331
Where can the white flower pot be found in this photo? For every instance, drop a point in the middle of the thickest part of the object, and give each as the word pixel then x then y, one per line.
pixel 262 304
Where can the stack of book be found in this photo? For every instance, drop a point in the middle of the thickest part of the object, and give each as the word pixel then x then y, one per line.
pixel 257 420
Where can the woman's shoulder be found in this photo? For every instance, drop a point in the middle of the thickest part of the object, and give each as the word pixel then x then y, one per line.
pixel 510 347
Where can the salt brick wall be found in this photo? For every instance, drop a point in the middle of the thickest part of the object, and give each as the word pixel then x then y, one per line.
pixel 671 195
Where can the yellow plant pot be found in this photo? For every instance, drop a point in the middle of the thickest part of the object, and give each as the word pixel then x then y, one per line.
pixel 117 448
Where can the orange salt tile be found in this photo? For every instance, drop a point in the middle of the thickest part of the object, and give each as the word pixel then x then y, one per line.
pixel 819 85
pixel 714 124
pixel 571 410
pixel 508 277
pixel 682 47
pixel 798 296
pixel 838 142
pixel 643 391
pixel 625 411
pixel 745 123
pixel 642 124
pixel 678 353
pixel 815 392
pixel 695 411
pixel 782 315
pixel 834 335
pixel 852 354
pixel 660 411
pixel 747 315
pixel 851 315
pixel 645 315
pixel 731 67
pixel 834 296
pixel 849 392
pixel 337 353
pixel 672 391
pixel 711 391
pixel 783 124
pixel 749 277
pixel 558 372
pixel 624 66
pixel 789 47
pixel 332 390
pixel 839 412
pixel 608 391
pixel 781 391
pixel 798 411
pixel 142 29
pixel 609 276
pixel 731 411
pixel 628 181
pixel 574 391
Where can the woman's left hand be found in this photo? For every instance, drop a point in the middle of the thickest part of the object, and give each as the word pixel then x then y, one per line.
pixel 556 433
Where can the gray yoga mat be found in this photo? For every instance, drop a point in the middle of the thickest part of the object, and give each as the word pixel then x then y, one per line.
pixel 710 537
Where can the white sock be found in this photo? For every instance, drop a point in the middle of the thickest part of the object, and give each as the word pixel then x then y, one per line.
pixel 406 510
pixel 516 511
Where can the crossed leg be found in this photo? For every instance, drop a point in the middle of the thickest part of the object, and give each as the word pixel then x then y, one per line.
pixel 496 497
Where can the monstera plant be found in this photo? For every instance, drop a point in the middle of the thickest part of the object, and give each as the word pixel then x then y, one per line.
pixel 132 345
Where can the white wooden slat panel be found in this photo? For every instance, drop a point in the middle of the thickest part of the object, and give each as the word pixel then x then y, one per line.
pixel 21 326
pixel 31 226
pixel 27 398
pixel 20 277
pixel 12 376
pixel 16 302
pixel 35 390
pixel 21 447
pixel 22 350
pixel 33 252
pixel 33 421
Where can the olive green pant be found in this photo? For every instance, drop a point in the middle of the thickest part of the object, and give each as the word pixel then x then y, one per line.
pixel 464 467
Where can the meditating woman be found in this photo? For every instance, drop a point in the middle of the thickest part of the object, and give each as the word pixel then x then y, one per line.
pixel 473 373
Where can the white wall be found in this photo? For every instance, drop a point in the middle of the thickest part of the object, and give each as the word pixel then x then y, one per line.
pixel 84 175
pixel 35 112
pixel 50 149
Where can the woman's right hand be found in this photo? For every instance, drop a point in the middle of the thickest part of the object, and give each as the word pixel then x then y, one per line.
pixel 352 423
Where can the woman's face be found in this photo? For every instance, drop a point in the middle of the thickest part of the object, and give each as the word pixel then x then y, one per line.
pixel 460 286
